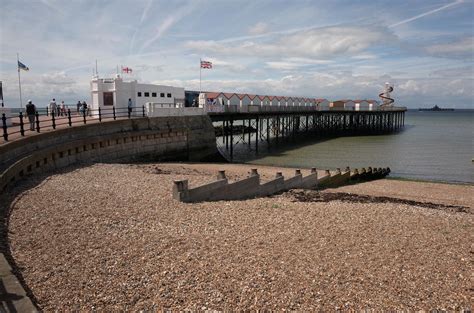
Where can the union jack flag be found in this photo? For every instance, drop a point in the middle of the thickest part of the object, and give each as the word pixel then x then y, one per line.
pixel 126 70
pixel 206 64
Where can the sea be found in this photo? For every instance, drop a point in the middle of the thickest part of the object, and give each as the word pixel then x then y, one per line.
pixel 433 146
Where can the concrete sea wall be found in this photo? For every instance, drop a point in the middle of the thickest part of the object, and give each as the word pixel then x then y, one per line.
pixel 156 139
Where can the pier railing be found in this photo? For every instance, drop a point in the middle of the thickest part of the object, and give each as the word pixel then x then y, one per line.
pixel 17 125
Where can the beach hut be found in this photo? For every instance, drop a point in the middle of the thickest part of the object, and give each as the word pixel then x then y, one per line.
pixel 260 100
pixel 256 100
pixel 273 100
pixel 347 105
pixel 290 101
pixel 322 104
pixel 244 99
pixel 232 98
pixel 266 100
pixel 279 100
pixel 361 105
pixel 311 102
pixel 373 105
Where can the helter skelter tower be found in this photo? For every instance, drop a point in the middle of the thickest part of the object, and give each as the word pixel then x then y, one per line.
pixel 385 95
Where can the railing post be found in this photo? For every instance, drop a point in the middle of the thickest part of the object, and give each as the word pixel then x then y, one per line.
pixel 69 117
pixel 53 120
pixel 113 108
pixel 100 115
pixel 143 109
pixel 22 128
pixel 47 111
pixel 4 126
pixel 37 121
pixel 84 116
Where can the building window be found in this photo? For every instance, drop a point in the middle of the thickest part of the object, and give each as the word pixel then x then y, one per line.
pixel 109 98
pixel 153 94
pixel 139 94
pixel 168 95
pixel 162 95
pixel 147 94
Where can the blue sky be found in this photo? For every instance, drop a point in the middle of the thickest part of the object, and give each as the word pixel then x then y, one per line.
pixel 324 49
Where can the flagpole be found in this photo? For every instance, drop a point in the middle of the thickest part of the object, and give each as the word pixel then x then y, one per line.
pixel 19 80
pixel 200 70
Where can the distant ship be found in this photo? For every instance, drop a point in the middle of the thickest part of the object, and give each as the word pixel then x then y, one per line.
pixel 436 108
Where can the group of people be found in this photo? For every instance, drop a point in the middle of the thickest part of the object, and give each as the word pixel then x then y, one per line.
pixel 62 110
pixel 58 109
pixel 82 108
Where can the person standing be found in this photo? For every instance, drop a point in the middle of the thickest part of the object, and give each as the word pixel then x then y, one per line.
pixel 130 105
pixel 84 108
pixel 63 108
pixel 52 107
pixel 79 105
pixel 31 113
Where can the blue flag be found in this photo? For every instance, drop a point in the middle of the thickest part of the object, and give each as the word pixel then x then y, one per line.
pixel 22 66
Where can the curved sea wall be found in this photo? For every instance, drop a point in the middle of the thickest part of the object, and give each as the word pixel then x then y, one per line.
pixel 160 138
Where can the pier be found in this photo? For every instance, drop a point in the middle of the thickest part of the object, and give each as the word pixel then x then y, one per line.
pixel 277 124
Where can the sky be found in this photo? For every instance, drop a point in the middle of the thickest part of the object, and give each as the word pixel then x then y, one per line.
pixel 334 49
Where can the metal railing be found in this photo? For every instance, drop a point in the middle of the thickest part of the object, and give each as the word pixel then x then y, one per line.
pixel 17 126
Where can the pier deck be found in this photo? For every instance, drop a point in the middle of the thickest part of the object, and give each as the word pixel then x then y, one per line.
pixel 274 126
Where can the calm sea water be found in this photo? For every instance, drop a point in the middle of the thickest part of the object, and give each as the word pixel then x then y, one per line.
pixel 433 146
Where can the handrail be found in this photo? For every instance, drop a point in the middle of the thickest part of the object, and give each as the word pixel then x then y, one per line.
pixel 19 124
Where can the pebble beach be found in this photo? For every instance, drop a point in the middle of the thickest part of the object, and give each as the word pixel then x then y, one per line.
pixel 109 237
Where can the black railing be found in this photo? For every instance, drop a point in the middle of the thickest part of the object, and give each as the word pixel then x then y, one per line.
pixel 44 119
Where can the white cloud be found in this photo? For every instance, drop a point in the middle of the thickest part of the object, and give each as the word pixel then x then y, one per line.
pixel 321 43
pixel 462 48
pixel 258 29
pixel 57 78
pixel 168 22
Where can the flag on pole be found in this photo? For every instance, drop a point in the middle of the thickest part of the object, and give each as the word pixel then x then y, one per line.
pixel 126 70
pixel 22 66
pixel 206 64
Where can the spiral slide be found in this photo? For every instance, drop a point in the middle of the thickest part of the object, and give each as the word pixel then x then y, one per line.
pixel 383 97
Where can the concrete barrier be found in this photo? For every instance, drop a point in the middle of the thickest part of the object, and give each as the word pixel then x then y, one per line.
pixel 250 187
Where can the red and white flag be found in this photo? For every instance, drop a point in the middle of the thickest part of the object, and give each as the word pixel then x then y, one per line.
pixel 126 70
pixel 206 64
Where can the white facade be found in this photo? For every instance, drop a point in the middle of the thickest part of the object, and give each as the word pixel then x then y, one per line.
pixel 114 92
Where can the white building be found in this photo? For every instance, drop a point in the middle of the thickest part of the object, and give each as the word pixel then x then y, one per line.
pixel 114 92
